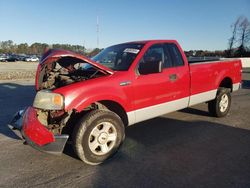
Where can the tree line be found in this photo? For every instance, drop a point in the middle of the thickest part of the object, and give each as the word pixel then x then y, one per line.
pixel 9 47
pixel 205 53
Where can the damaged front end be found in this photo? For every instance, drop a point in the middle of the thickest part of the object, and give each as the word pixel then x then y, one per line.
pixel 59 68
pixel 42 124
pixel 37 134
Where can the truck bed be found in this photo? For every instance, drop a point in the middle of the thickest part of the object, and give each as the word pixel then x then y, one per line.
pixel 206 77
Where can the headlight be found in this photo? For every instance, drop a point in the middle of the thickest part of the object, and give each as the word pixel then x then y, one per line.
pixel 47 100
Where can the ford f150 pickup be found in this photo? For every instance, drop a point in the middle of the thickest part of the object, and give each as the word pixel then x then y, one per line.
pixel 91 101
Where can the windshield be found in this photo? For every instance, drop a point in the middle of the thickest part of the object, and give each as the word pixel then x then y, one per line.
pixel 118 57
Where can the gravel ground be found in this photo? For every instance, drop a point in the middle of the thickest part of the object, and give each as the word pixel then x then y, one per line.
pixel 18 70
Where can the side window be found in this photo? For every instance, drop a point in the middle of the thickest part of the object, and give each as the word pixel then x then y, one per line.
pixel 154 53
pixel 175 55
pixel 149 63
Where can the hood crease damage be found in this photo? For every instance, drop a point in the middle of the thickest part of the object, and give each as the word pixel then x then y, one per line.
pixel 59 68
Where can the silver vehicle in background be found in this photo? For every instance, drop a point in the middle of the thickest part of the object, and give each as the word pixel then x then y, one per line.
pixel 3 58
pixel 32 59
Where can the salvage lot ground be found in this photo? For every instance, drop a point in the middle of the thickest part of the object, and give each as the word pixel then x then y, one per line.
pixel 17 70
pixel 182 149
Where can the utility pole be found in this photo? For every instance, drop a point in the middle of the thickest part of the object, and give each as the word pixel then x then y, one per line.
pixel 97 31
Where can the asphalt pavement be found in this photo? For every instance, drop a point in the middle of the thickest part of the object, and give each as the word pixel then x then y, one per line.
pixel 187 148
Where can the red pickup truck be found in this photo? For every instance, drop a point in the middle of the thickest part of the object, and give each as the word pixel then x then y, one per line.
pixel 91 101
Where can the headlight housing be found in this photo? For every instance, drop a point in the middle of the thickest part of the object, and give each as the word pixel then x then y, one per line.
pixel 47 100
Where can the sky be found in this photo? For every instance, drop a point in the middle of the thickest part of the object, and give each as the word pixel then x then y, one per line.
pixel 196 24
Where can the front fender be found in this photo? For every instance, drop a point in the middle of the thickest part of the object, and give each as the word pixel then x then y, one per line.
pixel 82 104
pixel 79 98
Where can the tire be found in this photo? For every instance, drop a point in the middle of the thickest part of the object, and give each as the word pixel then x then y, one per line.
pixel 97 136
pixel 220 106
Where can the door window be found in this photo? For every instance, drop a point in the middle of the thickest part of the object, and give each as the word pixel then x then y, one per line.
pixel 153 55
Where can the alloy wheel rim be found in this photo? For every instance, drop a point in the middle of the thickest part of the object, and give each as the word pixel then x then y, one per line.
pixel 102 138
pixel 223 105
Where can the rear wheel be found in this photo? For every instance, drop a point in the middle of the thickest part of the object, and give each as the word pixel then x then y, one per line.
pixel 97 136
pixel 220 106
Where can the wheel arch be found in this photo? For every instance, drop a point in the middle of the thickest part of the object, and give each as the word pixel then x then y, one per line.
pixel 114 107
pixel 226 82
pixel 110 105
pixel 101 105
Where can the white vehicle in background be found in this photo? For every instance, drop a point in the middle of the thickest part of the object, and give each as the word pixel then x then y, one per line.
pixel 32 59
pixel 3 58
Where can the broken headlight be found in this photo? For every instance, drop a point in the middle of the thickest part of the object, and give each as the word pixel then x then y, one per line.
pixel 48 100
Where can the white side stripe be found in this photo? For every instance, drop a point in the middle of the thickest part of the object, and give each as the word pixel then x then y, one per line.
pixel 202 97
pixel 236 86
pixel 164 108
pixel 131 118
pixel 156 110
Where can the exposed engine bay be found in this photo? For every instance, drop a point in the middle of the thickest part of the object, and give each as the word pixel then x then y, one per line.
pixel 65 71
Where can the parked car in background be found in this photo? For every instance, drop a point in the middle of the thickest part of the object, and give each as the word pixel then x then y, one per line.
pixel 3 58
pixel 22 57
pixel 12 58
pixel 32 59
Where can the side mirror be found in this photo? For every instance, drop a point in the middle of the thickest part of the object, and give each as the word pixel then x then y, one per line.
pixel 150 67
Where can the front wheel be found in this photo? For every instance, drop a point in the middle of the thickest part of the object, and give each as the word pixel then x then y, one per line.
pixel 220 106
pixel 97 136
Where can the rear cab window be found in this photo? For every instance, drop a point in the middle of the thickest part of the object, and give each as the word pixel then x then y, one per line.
pixel 168 53
pixel 174 53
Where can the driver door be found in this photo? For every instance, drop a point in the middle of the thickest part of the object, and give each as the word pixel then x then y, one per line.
pixel 153 91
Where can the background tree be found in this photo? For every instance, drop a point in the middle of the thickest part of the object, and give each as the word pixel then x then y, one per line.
pixel 233 39
pixel 38 48
pixel 7 46
pixel 239 42
pixel 22 48
pixel 94 52
pixel 244 37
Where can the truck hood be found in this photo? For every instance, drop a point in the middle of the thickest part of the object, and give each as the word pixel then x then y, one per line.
pixel 66 59
pixel 55 54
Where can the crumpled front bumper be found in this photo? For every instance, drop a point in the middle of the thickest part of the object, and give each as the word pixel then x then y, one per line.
pixel 36 134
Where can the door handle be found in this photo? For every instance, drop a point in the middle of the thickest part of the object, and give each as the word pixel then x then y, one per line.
pixel 125 83
pixel 173 77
